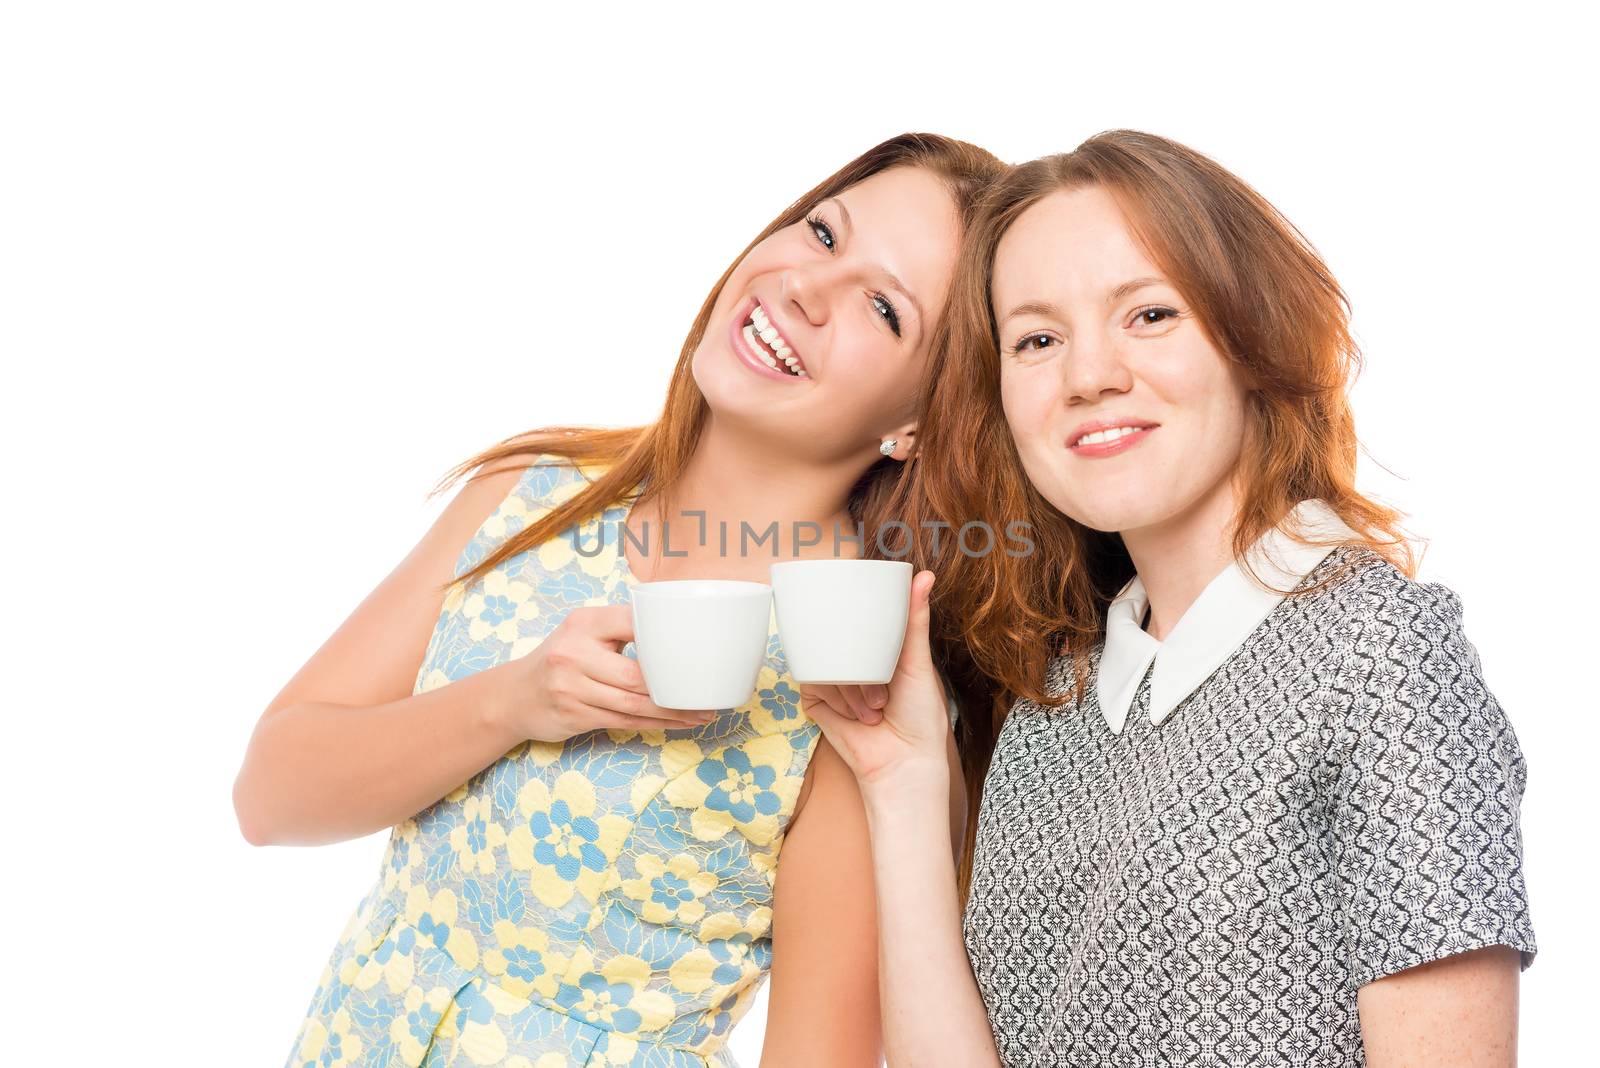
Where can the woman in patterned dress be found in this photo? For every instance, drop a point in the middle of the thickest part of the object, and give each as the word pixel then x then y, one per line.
pixel 576 876
pixel 1253 803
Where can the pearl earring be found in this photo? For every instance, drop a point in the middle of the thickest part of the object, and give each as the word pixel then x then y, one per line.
pixel 887 448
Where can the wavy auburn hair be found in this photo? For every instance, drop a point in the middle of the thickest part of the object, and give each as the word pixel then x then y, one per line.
pixel 1265 298
pixel 661 450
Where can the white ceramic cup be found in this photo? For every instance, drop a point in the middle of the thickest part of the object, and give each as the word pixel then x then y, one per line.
pixel 842 621
pixel 701 642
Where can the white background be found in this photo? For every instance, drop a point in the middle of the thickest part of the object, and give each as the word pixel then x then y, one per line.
pixel 267 270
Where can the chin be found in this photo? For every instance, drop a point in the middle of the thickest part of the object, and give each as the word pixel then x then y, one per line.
pixel 1116 509
pixel 717 385
pixel 1097 517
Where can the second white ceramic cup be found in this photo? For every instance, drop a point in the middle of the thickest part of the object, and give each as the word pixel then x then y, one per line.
pixel 842 621
pixel 701 642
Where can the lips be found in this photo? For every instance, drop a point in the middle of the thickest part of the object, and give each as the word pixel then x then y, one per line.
pixel 752 358
pixel 1108 437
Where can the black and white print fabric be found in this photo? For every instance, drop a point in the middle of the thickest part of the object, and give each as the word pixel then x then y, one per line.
pixel 1337 802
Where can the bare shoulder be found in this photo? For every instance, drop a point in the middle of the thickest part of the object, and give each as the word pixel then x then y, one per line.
pixel 374 655
pixel 432 560
pixel 476 499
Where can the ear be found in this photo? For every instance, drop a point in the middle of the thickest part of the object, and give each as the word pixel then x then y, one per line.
pixel 905 442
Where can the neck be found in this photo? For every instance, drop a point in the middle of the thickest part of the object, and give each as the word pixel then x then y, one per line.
pixel 736 479
pixel 1178 557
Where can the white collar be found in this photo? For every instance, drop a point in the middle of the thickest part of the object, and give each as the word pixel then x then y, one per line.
pixel 1227 610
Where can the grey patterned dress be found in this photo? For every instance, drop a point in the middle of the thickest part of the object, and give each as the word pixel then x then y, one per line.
pixel 1338 801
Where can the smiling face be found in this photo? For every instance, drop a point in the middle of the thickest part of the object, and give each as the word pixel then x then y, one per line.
pixel 817 341
pixel 1124 413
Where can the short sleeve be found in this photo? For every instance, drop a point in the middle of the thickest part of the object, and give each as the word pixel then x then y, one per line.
pixel 1427 844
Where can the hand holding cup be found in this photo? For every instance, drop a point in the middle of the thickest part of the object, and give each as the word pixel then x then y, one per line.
pixel 578 680
pixel 886 731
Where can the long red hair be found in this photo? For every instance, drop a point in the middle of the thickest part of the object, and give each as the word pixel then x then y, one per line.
pixel 661 450
pixel 1264 296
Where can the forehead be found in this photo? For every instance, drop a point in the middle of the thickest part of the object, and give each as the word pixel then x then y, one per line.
pixel 905 220
pixel 1071 243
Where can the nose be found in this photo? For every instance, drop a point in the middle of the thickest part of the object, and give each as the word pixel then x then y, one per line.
pixel 802 288
pixel 1093 369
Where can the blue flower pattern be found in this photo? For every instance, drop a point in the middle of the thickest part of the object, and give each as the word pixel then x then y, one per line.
pixel 738 788
pixel 411 980
pixel 782 700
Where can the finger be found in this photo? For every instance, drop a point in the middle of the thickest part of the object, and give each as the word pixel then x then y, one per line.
pixel 614 669
pixel 827 717
pixel 915 655
pixel 628 703
pixel 606 623
pixel 857 703
pixel 875 695
pixel 828 695
pixel 604 719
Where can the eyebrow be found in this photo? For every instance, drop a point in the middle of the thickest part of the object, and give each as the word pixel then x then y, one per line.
pixel 1133 286
pixel 1047 309
pixel 844 214
pixel 1033 307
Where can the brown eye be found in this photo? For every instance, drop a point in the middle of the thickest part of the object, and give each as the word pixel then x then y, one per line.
pixel 1153 315
pixel 1027 344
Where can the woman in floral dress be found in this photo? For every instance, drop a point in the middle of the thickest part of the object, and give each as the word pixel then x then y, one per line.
pixel 576 876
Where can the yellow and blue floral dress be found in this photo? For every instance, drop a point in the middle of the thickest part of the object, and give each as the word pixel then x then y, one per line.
pixel 602 901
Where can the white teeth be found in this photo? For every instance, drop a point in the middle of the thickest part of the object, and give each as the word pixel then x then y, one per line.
pixel 761 327
pixel 1099 437
pixel 758 348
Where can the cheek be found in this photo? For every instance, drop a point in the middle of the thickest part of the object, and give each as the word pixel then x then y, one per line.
pixel 1200 382
pixel 1027 401
pixel 865 375
pixel 1225 408
pixel 1189 373
pixel 1186 373
pixel 1012 399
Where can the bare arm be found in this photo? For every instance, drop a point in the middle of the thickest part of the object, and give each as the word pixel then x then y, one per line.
pixel 903 758
pixel 1459 1011
pixel 345 749
pixel 823 1005
pixel 932 1012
